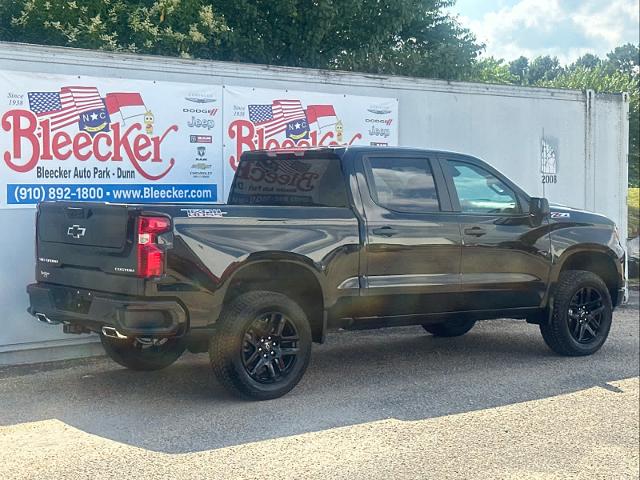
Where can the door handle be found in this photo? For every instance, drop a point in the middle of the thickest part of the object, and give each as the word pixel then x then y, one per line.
pixel 475 231
pixel 385 231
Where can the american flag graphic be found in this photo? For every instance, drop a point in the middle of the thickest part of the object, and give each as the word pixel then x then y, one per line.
pixel 63 108
pixel 292 167
pixel 285 165
pixel 275 117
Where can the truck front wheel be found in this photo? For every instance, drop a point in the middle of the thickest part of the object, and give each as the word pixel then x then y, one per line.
pixel 142 353
pixel 262 345
pixel 581 314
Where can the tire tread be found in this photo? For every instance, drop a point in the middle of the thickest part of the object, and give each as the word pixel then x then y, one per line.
pixel 220 349
pixel 553 330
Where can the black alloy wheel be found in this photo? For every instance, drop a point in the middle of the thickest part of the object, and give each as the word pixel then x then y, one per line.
pixel 270 347
pixel 586 311
pixel 581 314
pixel 261 346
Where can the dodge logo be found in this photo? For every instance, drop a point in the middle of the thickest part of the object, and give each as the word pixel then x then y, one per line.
pixel 76 231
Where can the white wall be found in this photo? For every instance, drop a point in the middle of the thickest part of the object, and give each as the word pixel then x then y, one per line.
pixel 500 124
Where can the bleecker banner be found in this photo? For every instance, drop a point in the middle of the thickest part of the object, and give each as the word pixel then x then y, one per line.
pixel 114 140
pixel 266 119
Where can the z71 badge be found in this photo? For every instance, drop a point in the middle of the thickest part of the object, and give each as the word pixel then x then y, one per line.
pixel 560 215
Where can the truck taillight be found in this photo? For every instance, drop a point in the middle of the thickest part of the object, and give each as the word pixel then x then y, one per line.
pixel 150 255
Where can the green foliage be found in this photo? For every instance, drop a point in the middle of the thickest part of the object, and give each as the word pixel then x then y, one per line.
pixel 588 60
pixel 520 69
pixel 540 69
pixel 633 202
pixel 624 59
pixel 491 70
pixel 543 69
pixel 406 37
pixel 167 27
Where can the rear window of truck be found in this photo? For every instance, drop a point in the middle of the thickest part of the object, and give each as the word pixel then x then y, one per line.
pixel 289 181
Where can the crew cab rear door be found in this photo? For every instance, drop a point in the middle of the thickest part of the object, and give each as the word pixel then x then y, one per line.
pixel 413 241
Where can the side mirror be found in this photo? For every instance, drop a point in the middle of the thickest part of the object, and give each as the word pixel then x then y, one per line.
pixel 539 209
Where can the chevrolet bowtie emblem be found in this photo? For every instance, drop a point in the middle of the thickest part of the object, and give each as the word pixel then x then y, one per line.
pixel 76 231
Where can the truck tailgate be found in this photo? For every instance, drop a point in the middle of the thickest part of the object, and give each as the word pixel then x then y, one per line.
pixel 87 243
pixel 103 226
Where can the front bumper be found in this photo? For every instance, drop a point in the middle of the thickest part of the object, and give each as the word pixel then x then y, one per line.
pixel 93 310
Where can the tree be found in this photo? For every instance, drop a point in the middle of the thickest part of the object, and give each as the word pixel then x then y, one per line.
pixel 520 69
pixel 407 37
pixel 543 69
pixel 624 59
pixel 588 60
pixel 166 27
pixel 491 70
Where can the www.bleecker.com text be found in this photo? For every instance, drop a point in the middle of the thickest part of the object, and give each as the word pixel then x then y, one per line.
pixel 104 173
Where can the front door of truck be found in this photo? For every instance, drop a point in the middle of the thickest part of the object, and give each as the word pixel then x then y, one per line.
pixel 413 242
pixel 505 259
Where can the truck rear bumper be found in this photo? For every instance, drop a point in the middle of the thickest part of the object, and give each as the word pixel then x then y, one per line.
pixel 131 316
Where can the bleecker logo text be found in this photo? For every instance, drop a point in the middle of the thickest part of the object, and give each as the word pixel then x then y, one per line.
pixel 248 137
pixel 114 146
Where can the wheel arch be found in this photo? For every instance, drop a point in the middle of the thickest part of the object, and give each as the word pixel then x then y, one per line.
pixel 600 261
pixel 291 275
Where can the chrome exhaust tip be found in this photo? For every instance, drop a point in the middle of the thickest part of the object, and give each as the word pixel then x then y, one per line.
pixel 111 332
pixel 44 319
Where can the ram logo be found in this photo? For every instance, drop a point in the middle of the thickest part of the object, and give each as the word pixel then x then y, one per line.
pixel 76 231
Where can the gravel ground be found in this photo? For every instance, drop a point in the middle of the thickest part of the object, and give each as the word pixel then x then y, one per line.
pixel 393 403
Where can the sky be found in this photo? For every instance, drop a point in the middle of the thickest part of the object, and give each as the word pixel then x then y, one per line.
pixel 563 28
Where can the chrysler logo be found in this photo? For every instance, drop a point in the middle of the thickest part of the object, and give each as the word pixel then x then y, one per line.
pixel 76 231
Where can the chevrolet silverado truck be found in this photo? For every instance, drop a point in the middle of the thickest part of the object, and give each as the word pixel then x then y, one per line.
pixel 319 239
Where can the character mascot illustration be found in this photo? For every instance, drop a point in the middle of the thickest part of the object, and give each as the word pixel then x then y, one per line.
pixel 339 132
pixel 148 122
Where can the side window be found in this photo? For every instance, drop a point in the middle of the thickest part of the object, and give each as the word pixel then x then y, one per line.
pixel 480 191
pixel 403 184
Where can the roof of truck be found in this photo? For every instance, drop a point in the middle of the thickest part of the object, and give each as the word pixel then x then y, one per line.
pixel 340 150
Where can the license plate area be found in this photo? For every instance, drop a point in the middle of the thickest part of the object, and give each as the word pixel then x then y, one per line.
pixel 72 300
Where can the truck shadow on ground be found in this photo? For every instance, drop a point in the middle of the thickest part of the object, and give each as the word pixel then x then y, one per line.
pixel 357 377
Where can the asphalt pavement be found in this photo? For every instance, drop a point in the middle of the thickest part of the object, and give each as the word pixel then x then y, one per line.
pixel 395 403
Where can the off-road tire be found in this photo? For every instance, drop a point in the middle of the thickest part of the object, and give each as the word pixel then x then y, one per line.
pixel 452 328
pixel 135 356
pixel 226 348
pixel 556 330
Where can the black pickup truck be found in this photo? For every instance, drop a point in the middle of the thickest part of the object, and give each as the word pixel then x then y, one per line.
pixel 318 239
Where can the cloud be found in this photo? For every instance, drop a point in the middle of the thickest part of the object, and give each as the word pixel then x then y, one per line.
pixel 562 28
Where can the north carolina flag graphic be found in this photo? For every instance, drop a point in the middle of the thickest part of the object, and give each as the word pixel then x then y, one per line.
pixel 128 105
pixel 324 115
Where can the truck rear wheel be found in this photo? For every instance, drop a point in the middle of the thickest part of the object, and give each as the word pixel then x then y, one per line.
pixel 143 354
pixel 262 345
pixel 452 328
pixel 581 316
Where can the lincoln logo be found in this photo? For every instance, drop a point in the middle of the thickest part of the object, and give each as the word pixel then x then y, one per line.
pixel 76 231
